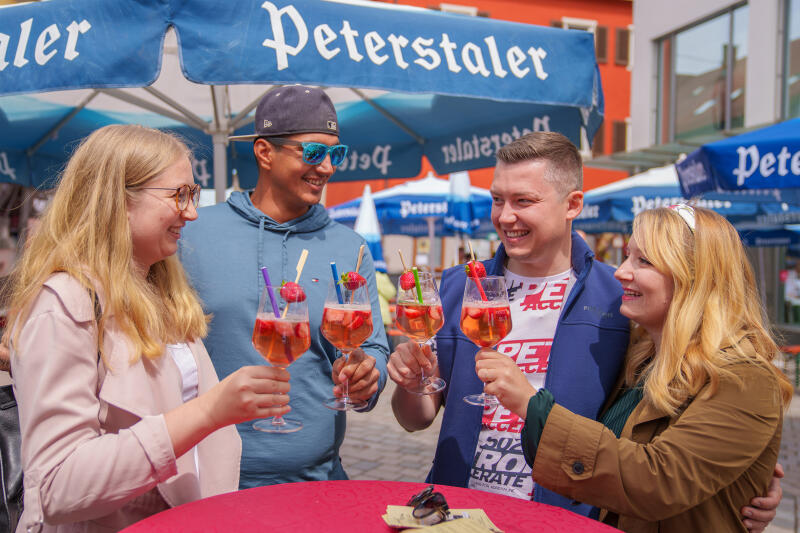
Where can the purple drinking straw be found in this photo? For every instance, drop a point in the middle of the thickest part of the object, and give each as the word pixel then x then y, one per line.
pixel 265 273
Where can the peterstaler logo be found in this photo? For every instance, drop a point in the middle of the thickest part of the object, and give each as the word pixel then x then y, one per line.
pixel 48 41
pixel 423 51
pixel 750 160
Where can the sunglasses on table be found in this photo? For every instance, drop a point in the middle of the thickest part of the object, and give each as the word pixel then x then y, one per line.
pixel 429 507
pixel 313 152
pixel 183 194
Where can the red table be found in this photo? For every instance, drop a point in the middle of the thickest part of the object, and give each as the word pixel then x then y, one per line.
pixel 350 507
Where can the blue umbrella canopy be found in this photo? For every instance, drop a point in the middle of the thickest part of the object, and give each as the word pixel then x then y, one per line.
pixel 474 83
pixel 405 209
pixel 32 156
pixel 613 207
pixel 463 216
pixel 754 162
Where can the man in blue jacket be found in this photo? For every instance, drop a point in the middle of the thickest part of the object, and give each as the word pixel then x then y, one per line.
pixel 296 146
pixel 567 333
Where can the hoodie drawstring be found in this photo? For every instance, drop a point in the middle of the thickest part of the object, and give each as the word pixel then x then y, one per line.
pixel 260 256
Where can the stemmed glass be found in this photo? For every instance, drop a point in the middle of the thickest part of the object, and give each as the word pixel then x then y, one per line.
pixel 485 320
pixel 346 323
pixel 281 339
pixel 419 316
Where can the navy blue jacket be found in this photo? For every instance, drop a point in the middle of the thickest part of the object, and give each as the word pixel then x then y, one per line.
pixel 586 357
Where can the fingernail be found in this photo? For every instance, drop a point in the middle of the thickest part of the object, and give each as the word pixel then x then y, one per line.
pixel 748 513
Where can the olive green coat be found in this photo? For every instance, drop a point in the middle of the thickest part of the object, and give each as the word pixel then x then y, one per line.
pixel 692 472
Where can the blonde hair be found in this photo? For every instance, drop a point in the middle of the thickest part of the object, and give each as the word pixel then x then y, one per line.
pixel 715 317
pixel 85 233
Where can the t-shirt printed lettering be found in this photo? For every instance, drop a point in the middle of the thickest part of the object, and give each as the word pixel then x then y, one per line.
pixel 499 465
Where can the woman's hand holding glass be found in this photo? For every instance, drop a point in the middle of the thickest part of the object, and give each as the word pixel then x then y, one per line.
pixel 503 379
pixel 249 393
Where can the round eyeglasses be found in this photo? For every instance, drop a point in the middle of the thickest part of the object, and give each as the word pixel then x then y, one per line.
pixel 182 194
pixel 313 152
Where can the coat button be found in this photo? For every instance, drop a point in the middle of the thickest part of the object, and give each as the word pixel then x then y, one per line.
pixel 577 467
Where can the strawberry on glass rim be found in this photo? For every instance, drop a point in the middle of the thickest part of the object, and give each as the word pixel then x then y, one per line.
pixel 407 280
pixel 475 269
pixel 292 292
pixel 353 280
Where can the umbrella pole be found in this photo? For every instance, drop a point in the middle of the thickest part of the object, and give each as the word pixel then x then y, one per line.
pixel 220 164
pixel 431 240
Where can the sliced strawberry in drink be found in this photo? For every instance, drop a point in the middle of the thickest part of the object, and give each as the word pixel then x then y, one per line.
pixel 356 320
pixel 475 312
pixel 412 313
pixel 264 327
pixel 302 330
pixel 284 329
pixel 435 312
pixel 500 315
pixel 334 316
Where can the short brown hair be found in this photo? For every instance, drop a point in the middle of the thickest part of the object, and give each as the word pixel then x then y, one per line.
pixel 565 168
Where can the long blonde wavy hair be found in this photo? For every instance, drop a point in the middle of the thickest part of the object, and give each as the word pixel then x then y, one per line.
pixel 715 317
pixel 85 233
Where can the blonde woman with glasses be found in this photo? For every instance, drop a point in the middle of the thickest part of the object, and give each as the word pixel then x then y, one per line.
pixel 121 412
pixel 693 431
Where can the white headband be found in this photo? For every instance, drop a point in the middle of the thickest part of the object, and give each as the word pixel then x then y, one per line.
pixel 686 212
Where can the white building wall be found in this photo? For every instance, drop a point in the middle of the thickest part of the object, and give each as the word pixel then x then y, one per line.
pixel 653 19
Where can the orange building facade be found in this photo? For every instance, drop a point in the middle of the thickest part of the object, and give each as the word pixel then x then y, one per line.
pixel 609 20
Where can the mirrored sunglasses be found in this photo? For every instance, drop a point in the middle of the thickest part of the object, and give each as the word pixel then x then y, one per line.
pixel 313 152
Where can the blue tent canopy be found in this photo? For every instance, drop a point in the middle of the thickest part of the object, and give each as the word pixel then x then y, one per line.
pixel 767 158
pixel 490 79
pixel 613 207
pixel 405 209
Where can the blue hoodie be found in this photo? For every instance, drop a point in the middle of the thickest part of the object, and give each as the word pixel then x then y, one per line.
pixel 222 252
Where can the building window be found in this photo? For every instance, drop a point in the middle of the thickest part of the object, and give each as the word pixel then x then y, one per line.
pixel 599 140
pixel 701 80
pixel 619 136
pixel 600 33
pixel 791 69
pixel 622 47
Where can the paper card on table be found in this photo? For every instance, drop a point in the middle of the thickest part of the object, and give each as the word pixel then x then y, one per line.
pixel 459 525
pixel 400 516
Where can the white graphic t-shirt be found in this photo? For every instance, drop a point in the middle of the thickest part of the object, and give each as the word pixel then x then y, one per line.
pixel 499 465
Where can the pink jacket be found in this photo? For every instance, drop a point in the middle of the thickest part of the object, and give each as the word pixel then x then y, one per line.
pixel 96 453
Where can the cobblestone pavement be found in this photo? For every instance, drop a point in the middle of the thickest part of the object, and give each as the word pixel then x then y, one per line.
pixel 377 447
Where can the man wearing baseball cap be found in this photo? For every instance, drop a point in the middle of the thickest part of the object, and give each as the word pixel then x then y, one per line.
pixel 296 147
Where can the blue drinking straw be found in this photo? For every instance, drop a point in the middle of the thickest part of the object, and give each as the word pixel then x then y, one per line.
pixel 265 273
pixel 336 282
